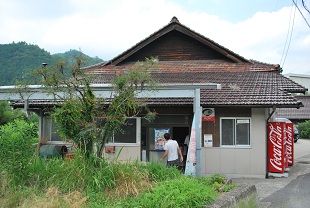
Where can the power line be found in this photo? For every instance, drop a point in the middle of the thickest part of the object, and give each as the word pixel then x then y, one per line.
pixel 304 5
pixel 289 32
pixel 301 13
pixel 289 43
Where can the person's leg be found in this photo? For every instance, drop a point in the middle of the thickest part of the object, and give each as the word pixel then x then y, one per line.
pixel 172 163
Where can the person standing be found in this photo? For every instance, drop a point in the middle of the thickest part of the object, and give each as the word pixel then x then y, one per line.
pixel 171 150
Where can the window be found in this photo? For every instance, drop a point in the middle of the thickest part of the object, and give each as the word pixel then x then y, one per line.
pixel 49 129
pixel 130 134
pixel 235 131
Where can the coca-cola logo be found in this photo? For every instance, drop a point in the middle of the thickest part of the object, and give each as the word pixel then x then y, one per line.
pixel 289 153
pixel 275 138
pixel 289 141
pixel 289 134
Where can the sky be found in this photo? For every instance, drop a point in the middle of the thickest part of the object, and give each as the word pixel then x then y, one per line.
pixel 271 31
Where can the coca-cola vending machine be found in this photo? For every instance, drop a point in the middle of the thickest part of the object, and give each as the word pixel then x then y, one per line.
pixel 290 143
pixel 276 147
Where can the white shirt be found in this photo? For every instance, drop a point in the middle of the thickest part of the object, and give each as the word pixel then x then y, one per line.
pixel 172 147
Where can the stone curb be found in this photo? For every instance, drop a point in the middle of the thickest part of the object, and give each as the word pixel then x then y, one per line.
pixel 232 198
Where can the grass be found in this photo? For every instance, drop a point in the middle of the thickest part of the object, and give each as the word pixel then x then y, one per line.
pixel 249 202
pixel 94 182
pixel 181 192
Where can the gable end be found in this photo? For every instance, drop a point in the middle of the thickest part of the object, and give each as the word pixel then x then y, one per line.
pixel 195 47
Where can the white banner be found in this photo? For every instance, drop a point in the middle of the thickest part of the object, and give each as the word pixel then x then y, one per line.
pixel 190 168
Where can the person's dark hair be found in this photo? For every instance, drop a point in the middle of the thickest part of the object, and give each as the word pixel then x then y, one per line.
pixel 167 136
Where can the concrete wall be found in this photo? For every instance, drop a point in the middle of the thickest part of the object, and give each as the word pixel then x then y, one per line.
pixel 128 153
pixel 240 161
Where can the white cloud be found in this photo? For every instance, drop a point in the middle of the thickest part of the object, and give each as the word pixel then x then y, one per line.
pixel 107 28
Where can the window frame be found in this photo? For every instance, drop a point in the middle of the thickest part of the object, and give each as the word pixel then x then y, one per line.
pixel 235 132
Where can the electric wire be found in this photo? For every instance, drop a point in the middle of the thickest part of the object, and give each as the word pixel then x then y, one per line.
pixel 289 42
pixel 290 28
pixel 304 5
pixel 301 13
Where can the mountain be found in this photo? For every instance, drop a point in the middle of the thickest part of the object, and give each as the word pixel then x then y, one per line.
pixel 70 56
pixel 18 59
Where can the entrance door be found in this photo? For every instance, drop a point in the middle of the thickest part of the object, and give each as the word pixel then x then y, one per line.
pixel 149 144
pixel 179 134
pixel 177 125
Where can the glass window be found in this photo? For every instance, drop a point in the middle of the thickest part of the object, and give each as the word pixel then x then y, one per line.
pixel 228 132
pixel 242 131
pixel 128 134
pixel 235 131
pixel 54 134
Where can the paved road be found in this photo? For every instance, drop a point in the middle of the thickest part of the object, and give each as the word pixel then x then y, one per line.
pixel 290 192
pixel 295 195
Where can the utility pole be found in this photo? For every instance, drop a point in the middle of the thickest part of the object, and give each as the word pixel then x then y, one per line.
pixel 197 111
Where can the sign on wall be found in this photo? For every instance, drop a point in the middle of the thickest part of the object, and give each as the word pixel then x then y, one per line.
pixel 208 140
pixel 208 114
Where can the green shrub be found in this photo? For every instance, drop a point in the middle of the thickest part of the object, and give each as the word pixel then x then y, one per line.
pixel 304 129
pixel 16 149
pixel 218 179
pixel 7 114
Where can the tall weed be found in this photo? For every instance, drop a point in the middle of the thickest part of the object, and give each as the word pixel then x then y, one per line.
pixel 77 174
pixel 16 149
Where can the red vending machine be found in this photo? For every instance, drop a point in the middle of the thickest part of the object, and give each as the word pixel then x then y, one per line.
pixel 290 143
pixel 276 147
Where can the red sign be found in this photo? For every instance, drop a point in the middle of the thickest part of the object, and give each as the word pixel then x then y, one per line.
pixel 290 143
pixel 276 148
pixel 208 118
pixel 208 114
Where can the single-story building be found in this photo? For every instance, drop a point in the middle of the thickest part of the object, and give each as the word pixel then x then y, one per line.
pixel 300 114
pixel 301 79
pixel 296 115
pixel 234 127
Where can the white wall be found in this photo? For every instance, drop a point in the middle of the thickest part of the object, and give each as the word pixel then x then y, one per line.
pixel 240 162
pixel 128 153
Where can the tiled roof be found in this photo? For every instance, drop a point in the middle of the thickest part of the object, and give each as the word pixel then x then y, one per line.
pixel 243 84
pixel 190 65
pixel 294 113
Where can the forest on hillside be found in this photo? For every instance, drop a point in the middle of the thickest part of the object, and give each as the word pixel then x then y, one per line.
pixel 17 60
